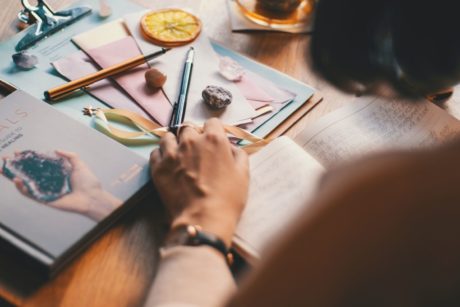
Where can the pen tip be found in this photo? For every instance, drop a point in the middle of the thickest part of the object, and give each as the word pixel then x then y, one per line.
pixel 191 48
pixel 166 49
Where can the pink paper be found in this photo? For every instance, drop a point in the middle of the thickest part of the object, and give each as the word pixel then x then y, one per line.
pixel 133 82
pixel 263 88
pixel 277 94
pixel 251 90
pixel 260 92
pixel 79 65
pixel 256 89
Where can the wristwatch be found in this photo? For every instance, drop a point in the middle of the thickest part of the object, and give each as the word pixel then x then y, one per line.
pixel 193 235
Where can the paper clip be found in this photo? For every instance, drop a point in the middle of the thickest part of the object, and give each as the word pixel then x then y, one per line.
pixel 46 21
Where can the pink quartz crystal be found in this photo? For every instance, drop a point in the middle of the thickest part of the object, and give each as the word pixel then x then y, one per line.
pixel 230 69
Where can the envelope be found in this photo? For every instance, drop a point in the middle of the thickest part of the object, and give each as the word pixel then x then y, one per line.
pixel 133 82
pixel 78 65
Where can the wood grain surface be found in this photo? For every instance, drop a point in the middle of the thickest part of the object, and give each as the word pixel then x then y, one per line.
pixel 118 268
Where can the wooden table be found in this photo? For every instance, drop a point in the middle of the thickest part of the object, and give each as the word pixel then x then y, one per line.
pixel 118 268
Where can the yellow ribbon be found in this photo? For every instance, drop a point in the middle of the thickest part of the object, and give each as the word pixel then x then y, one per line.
pixel 149 132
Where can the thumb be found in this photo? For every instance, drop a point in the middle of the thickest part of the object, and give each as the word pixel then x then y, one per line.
pixel 72 157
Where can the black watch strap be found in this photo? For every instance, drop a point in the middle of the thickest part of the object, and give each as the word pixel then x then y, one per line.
pixel 192 235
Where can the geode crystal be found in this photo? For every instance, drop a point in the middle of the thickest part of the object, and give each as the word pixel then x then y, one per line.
pixel 216 97
pixel 46 177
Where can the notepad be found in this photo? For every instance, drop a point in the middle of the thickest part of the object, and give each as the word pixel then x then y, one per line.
pixel 285 174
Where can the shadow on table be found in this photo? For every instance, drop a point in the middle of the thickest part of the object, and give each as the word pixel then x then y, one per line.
pixel 16 279
pixel 4 303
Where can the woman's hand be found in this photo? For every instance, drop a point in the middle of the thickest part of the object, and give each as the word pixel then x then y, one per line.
pixel 202 179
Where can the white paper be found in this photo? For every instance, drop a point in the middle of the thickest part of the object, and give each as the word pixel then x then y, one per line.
pixel 113 31
pixel 189 5
pixel 205 72
pixel 283 180
pixel 374 124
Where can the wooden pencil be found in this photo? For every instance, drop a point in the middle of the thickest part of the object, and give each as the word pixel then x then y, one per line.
pixel 65 89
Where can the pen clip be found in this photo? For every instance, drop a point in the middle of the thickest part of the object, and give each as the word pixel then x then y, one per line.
pixel 173 117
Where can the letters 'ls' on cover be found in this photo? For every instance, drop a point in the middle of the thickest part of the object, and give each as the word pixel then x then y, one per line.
pixel 61 183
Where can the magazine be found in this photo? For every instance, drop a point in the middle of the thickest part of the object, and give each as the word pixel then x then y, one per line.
pixel 61 183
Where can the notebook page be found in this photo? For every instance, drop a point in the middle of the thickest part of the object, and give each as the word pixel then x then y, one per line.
pixel 374 124
pixel 283 179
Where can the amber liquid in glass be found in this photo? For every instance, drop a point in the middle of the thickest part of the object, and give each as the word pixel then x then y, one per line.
pixel 277 13
pixel 277 9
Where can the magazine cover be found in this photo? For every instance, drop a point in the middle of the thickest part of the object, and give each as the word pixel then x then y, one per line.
pixel 58 178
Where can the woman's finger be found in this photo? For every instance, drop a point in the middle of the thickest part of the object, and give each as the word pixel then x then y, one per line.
pixel 187 133
pixel 155 158
pixel 214 125
pixel 241 158
pixel 168 145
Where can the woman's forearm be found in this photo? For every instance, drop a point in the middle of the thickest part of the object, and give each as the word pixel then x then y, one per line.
pixel 191 277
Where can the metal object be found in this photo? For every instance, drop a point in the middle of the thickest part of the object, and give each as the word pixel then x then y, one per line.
pixel 45 21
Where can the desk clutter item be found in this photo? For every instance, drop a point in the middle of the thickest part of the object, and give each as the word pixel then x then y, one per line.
pixel 230 69
pixel 52 168
pixel 104 9
pixel 24 60
pixel 154 78
pixel 244 16
pixel 153 102
pixel 116 69
pixel 46 21
pixel 216 97
pixel 277 14
pixel 263 99
pixel 142 127
pixel 170 27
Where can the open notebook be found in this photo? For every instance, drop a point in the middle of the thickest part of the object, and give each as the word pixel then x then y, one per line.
pixel 284 174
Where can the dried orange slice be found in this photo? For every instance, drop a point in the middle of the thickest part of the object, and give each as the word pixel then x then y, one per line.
pixel 170 27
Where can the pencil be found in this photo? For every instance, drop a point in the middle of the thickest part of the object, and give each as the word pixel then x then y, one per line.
pixel 178 114
pixel 7 87
pixel 63 90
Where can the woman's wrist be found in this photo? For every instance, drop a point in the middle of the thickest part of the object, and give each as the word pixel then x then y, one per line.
pixel 212 220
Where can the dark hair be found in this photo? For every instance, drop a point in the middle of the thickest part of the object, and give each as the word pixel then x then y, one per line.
pixel 412 44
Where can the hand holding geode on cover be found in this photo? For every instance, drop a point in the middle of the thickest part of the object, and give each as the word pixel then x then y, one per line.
pixel 86 195
pixel 46 177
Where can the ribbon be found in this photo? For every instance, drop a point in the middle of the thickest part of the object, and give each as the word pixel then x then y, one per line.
pixel 147 131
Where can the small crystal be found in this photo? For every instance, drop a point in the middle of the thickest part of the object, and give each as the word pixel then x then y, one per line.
pixel 216 97
pixel 230 69
pixel 104 9
pixel 25 60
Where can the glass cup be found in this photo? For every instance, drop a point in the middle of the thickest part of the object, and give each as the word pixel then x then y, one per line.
pixel 277 8
pixel 277 13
